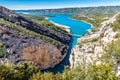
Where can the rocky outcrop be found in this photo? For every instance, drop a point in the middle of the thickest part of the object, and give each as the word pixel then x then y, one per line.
pixel 90 47
pixel 44 55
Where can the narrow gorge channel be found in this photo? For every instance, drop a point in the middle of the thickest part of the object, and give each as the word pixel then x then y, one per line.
pixel 77 28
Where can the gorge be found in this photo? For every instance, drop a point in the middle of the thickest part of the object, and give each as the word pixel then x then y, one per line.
pixel 76 28
pixel 53 44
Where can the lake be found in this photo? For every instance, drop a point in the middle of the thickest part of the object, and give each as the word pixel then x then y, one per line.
pixel 77 28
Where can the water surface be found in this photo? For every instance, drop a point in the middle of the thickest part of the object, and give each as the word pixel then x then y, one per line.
pixel 77 28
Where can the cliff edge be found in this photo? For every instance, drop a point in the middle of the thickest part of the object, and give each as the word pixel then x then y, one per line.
pixel 90 47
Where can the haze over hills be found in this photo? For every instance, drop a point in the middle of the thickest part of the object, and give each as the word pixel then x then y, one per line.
pixel 80 10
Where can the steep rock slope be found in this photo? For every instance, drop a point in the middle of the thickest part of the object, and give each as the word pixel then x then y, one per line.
pixel 46 48
pixel 89 47
pixel 15 18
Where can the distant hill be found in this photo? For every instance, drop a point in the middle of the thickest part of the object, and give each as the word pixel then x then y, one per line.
pixel 80 10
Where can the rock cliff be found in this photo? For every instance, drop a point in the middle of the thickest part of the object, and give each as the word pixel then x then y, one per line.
pixel 19 48
pixel 90 47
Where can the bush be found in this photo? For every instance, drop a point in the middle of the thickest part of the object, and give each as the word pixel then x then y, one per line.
pixel 116 25
pixel 1 44
pixel 1 50
pixel 112 51
pixel 21 72
pixel 44 76
pixel 117 35
pixel 102 71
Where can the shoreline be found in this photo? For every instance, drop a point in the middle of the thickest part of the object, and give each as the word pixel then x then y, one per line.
pixel 57 23
pixel 60 25
pixel 67 28
pixel 83 21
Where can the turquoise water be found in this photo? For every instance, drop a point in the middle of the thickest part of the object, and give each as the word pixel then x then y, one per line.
pixel 76 27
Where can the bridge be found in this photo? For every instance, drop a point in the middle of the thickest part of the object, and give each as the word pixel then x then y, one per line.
pixel 75 35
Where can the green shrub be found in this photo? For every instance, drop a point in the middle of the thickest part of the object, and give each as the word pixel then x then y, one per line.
pixel 1 49
pixel 112 51
pixel 1 44
pixel 46 76
pixel 102 71
pixel 116 25
pixel 21 72
pixel 117 35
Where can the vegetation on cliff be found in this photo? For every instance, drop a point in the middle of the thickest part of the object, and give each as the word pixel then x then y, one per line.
pixel 112 51
pixel 116 25
pixel 1 49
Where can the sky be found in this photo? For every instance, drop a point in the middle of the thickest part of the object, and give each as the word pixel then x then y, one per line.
pixel 50 4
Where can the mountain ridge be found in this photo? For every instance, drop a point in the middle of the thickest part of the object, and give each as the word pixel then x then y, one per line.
pixel 80 10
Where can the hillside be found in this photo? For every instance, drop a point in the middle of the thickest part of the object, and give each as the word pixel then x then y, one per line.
pixel 24 40
pixel 101 46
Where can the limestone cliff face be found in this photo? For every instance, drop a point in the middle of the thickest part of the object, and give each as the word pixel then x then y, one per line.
pixel 21 48
pixel 91 46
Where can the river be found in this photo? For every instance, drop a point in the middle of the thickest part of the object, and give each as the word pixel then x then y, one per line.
pixel 76 28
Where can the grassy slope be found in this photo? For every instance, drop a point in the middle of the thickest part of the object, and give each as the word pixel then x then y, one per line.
pixel 16 28
pixel 41 20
